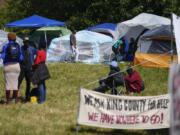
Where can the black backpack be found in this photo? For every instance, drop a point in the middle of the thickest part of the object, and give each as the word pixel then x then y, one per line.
pixel 13 51
pixel 119 78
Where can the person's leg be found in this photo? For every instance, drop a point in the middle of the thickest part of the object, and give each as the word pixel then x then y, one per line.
pixel 7 96
pixel 41 92
pixel 44 96
pixel 21 77
pixel 76 54
pixel 15 95
pixel 28 85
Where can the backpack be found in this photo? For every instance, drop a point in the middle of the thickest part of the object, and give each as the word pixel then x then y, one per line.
pixel 119 79
pixel 13 51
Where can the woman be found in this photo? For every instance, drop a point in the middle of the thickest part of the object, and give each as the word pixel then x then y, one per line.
pixel 42 72
pixel 11 55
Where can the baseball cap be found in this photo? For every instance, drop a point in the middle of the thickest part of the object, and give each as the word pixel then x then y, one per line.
pixel 114 64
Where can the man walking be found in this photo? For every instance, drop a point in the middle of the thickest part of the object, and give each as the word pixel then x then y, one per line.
pixel 74 48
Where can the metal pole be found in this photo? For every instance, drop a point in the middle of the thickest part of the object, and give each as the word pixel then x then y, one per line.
pixel 171 39
pixel 45 39
pixel 77 125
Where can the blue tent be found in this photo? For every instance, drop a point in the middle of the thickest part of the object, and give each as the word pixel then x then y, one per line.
pixel 105 28
pixel 35 21
pixel 110 26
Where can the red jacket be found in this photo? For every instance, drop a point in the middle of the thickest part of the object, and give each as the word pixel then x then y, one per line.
pixel 40 57
pixel 135 81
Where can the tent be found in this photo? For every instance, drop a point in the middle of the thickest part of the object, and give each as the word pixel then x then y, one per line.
pixel 4 40
pixel 135 26
pixel 35 21
pixel 105 28
pixel 51 32
pixel 152 44
pixel 93 47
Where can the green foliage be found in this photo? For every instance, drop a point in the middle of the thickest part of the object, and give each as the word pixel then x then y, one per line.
pixel 81 14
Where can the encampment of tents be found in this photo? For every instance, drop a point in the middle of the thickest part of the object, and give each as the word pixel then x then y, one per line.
pixel 135 26
pixel 4 40
pixel 93 47
pixel 51 33
pixel 155 47
pixel 105 28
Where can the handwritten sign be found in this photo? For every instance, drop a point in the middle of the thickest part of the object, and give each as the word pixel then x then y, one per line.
pixel 123 112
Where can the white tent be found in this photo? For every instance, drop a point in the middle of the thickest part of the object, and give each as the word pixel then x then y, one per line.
pixel 92 46
pixel 144 20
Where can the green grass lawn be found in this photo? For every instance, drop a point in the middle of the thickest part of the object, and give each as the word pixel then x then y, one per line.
pixel 58 115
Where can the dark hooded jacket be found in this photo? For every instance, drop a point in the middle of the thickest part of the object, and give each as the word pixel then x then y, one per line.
pixel 115 75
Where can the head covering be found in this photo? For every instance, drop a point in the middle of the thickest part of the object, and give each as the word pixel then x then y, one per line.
pixel 42 44
pixel 11 36
pixel 114 64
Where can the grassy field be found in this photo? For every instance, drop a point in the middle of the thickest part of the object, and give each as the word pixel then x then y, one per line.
pixel 58 115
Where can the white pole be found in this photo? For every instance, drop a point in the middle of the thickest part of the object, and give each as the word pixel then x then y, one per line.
pixel 45 38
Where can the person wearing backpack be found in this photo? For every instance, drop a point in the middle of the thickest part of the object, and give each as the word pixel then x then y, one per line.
pixel 28 52
pixel 11 55
pixel 115 78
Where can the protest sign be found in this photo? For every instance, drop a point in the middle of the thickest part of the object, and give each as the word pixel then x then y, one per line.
pixel 123 112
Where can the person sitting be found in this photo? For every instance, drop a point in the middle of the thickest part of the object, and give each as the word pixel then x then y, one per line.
pixel 115 78
pixel 133 81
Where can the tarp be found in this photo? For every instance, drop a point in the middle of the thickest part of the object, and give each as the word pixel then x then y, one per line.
pixel 35 21
pixel 51 33
pixel 123 112
pixel 148 21
pixel 4 40
pixel 176 24
pixel 154 46
pixel 105 28
pixel 92 46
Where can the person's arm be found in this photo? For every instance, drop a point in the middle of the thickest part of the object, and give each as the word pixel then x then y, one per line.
pixel 3 55
pixel 34 51
pixel 21 58
pixel 37 59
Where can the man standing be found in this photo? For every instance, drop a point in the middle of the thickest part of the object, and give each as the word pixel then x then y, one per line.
pixel 74 48
pixel 28 52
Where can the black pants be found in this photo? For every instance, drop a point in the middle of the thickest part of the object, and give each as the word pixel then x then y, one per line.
pixel 105 85
pixel 27 74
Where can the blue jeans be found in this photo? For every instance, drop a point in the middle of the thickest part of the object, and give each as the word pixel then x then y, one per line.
pixel 42 92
